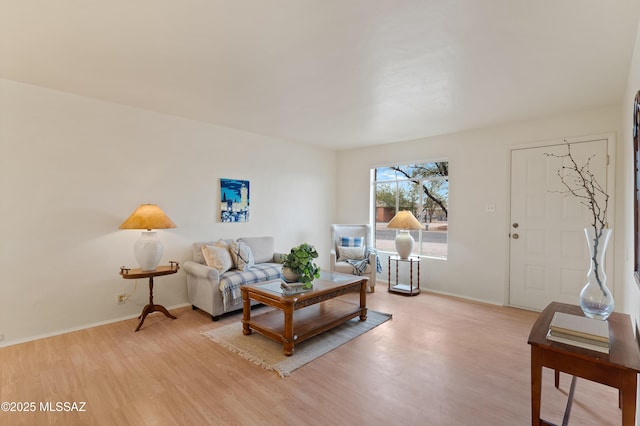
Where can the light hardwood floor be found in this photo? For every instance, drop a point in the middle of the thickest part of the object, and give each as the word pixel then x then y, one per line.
pixel 439 361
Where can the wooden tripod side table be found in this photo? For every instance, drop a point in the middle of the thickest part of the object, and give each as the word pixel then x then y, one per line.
pixel 139 273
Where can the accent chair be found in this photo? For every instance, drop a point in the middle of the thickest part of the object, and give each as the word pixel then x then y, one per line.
pixel 351 244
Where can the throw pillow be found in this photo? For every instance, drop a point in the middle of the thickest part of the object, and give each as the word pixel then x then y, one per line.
pixel 350 253
pixel 351 241
pixel 241 255
pixel 217 256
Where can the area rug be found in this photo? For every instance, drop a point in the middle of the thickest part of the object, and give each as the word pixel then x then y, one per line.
pixel 268 353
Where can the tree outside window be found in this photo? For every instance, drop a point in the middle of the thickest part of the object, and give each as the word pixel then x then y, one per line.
pixel 422 189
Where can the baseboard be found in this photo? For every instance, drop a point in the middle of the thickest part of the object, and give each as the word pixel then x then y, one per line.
pixel 444 293
pixel 78 328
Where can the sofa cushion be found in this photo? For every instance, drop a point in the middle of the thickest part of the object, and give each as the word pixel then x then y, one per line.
pixel 217 256
pixel 197 249
pixel 241 254
pixel 231 281
pixel 198 257
pixel 351 241
pixel 347 268
pixel 355 253
pixel 262 248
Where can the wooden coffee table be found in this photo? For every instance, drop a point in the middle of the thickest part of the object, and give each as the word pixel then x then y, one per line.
pixel 303 315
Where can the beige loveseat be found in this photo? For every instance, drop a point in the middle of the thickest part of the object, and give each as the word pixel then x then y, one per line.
pixel 217 292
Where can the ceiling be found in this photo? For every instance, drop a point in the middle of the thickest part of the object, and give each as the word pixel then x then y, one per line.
pixel 336 73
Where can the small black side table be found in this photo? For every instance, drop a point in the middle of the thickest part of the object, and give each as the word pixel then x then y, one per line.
pixel 139 273
pixel 409 290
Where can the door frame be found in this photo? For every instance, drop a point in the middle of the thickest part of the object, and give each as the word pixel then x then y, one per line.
pixel 611 190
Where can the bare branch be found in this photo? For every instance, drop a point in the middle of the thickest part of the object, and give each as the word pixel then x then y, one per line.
pixel 582 184
pixel 426 191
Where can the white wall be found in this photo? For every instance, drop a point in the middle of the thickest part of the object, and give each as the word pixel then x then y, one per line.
pixel 631 302
pixel 73 168
pixel 478 167
pixel 626 168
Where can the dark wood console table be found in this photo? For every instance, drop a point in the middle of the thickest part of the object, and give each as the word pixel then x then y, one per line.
pixel 618 368
pixel 139 273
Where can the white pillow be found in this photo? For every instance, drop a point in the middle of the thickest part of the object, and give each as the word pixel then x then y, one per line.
pixel 241 255
pixel 351 253
pixel 217 256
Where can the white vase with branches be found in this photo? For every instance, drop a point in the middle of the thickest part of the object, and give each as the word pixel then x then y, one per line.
pixel 596 299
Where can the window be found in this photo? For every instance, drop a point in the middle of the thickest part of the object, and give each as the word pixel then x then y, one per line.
pixel 422 189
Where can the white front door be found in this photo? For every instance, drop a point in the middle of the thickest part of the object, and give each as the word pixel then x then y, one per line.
pixel 548 250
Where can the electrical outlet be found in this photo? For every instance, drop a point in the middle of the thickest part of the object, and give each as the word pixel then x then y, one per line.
pixel 121 298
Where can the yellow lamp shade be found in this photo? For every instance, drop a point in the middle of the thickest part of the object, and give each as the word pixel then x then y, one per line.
pixel 148 249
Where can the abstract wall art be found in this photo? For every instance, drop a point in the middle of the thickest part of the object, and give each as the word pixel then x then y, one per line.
pixel 234 200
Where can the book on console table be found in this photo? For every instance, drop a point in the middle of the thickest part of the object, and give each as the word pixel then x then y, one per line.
pixel 579 331
pixel 579 326
pixel 581 343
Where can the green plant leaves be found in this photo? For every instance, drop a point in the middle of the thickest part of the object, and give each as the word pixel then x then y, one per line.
pixel 300 260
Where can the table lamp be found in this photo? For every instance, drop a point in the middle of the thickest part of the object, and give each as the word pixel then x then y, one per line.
pixel 148 249
pixel 404 220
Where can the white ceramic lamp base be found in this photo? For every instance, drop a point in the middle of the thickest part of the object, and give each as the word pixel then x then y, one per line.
pixel 404 244
pixel 148 250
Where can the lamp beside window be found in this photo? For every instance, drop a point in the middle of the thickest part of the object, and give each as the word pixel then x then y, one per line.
pixel 404 220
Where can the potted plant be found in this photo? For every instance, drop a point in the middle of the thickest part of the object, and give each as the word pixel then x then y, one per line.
pixel 300 262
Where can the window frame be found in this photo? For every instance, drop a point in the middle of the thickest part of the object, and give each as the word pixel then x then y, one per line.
pixel 636 186
pixel 421 203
